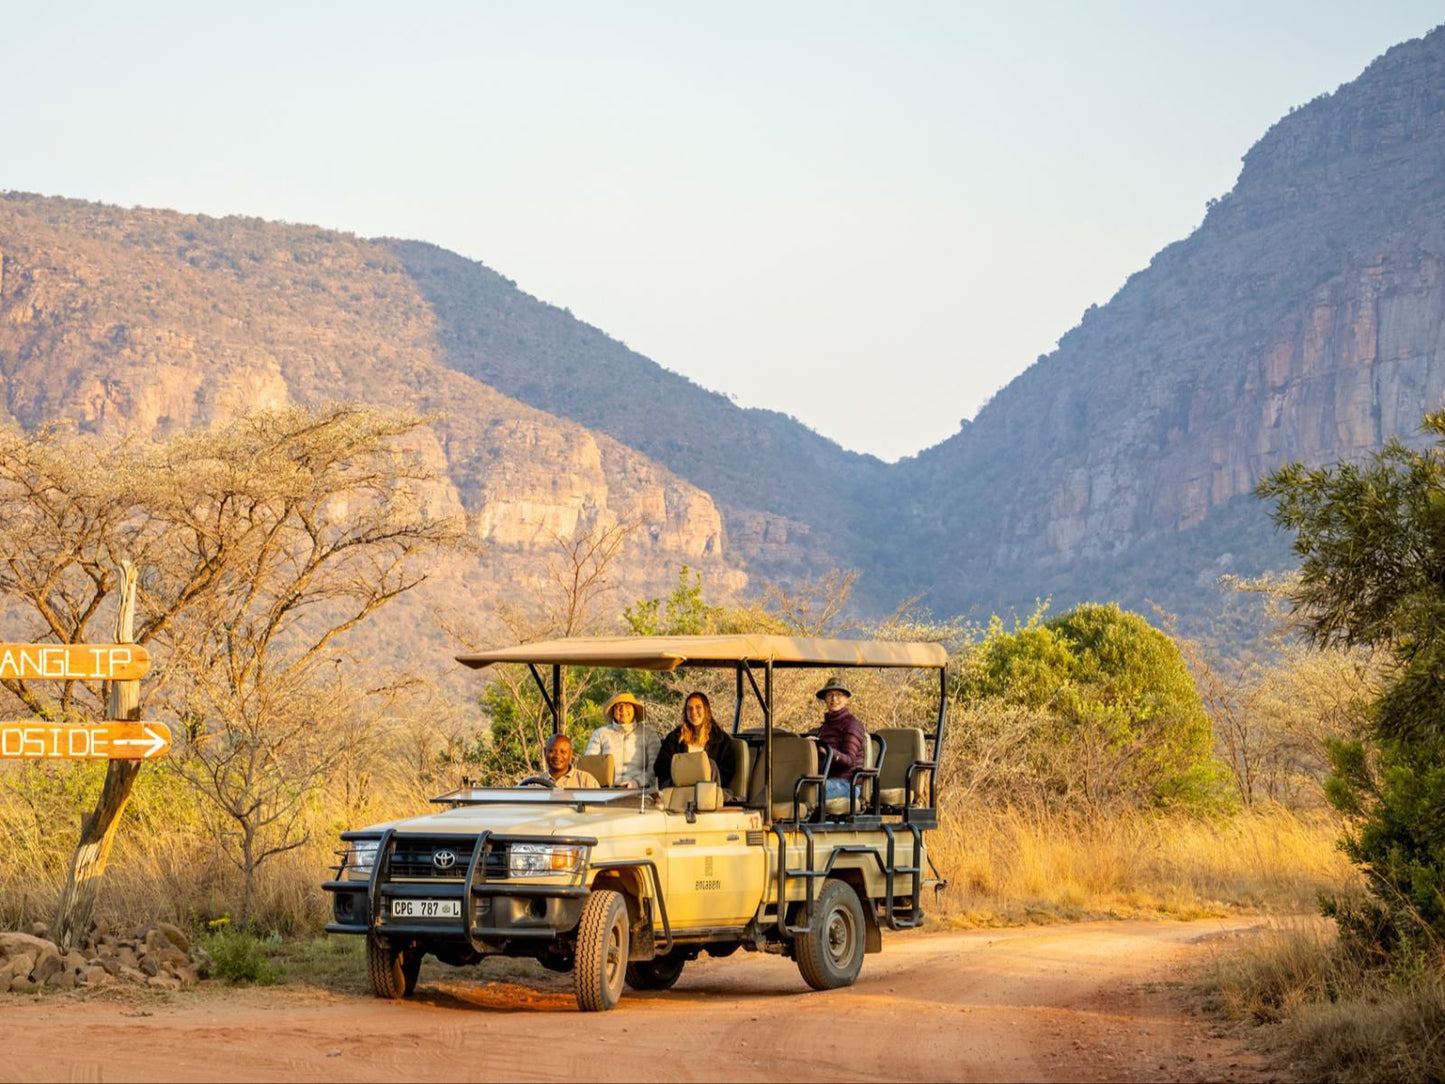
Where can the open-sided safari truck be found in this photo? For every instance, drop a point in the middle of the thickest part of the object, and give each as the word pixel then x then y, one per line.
pixel 615 884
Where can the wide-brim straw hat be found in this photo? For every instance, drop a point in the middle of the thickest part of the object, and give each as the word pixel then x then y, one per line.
pixel 833 686
pixel 626 698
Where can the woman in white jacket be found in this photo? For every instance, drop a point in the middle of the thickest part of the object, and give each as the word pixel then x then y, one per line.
pixel 632 745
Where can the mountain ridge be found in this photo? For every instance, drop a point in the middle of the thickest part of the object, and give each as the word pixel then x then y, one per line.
pixel 1288 325
pixel 1304 318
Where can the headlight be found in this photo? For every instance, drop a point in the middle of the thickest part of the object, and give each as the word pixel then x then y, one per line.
pixel 543 859
pixel 361 856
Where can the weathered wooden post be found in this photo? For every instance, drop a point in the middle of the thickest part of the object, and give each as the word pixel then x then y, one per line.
pixel 97 832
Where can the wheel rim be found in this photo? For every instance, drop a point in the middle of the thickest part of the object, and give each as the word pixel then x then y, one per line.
pixel 840 933
pixel 612 968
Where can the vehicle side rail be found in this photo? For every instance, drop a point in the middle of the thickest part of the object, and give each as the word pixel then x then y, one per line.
pixel 651 867
pixel 886 867
pixel 915 871
pixel 911 812
pixel 784 874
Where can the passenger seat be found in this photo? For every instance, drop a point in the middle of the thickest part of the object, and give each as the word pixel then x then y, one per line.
pixel 839 806
pixel 599 766
pixel 794 757
pixel 692 784
pixel 898 784
pixel 742 765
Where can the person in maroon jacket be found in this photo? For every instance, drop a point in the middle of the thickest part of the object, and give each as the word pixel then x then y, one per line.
pixel 843 734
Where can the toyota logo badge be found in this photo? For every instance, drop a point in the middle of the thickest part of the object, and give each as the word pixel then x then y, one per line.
pixel 444 859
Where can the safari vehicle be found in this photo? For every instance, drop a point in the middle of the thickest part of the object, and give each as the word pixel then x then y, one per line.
pixel 619 885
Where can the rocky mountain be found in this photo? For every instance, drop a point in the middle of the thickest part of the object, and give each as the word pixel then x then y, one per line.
pixel 788 495
pixel 1303 319
pixel 147 322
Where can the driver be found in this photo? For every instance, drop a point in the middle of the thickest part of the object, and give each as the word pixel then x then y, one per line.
pixel 559 765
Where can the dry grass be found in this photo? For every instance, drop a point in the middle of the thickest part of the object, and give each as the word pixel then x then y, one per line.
pixel 164 864
pixel 1333 1018
pixel 1005 866
pixel 1013 866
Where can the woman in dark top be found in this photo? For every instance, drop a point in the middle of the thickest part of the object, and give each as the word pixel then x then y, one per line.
pixel 698 732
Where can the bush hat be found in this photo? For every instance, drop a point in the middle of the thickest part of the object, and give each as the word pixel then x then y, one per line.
pixel 833 686
pixel 639 708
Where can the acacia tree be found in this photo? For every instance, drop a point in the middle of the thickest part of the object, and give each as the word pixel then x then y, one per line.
pixel 260 544
pixel 311 523
pixel 70 511
pixel 1371 541
pixel 578 577
pixel 1276 703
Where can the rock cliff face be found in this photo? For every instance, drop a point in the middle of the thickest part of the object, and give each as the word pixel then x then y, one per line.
pixel 772 477
pixel 1303 320
pixel 148 322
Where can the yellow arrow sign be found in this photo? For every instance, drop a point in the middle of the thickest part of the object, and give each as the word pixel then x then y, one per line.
pixel 73 662
pixel 38 740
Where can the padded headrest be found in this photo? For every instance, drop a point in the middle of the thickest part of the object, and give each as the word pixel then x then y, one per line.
pixel 689 769
pixel 601 767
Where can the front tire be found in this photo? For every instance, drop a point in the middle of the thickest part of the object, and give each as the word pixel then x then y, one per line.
pixel 602 942
pixel 393 971
pixel 659 973
pixel 831 954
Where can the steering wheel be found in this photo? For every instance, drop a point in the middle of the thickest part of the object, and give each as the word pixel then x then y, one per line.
pixel 538 781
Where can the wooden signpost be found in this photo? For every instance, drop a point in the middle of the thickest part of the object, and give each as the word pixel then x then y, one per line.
pixel 97 832
pixel 73 662
pixel 110 740
pixel 113 739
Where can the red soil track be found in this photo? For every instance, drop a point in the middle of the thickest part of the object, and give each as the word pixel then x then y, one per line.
pixel 1099 1001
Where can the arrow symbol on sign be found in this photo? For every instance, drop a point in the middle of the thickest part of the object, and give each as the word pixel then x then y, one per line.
pixel 154 740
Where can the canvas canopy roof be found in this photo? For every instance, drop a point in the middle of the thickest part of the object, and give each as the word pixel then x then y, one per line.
pixel 670 652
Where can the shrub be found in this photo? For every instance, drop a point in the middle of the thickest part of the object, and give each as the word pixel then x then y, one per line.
pixel 1120 723
pixel 242 957
pixel 1371 538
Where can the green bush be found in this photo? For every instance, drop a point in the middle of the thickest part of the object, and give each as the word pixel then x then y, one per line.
pixel 1122 724
pixel 242 957
pixel 1371 538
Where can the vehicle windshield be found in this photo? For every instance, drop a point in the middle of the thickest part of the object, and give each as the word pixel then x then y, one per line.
pixel 479 795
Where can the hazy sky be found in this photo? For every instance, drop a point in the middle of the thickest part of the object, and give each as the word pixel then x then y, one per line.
pixel 867 215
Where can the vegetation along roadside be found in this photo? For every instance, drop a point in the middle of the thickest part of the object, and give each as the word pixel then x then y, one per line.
pixel 1100 765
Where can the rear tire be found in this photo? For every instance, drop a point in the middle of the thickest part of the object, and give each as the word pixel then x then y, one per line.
pixel 831 955
pixel 393 971
pixel 602 942
pixel 659 973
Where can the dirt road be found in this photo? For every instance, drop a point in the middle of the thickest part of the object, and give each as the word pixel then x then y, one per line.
pixel 1100 1001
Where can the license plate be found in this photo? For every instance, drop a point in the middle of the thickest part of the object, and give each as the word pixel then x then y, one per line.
pixel 426 908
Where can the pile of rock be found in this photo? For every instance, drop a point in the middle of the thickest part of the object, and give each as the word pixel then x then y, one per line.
pixel 158 955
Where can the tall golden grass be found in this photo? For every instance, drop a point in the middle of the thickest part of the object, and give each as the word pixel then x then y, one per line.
pixel 1331 1015
pixel 1005 865
pixel 1014 865
pixel 166 862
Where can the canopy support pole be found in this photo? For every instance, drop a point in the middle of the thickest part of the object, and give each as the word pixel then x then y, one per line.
pixel 768 753
pixel 542 688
